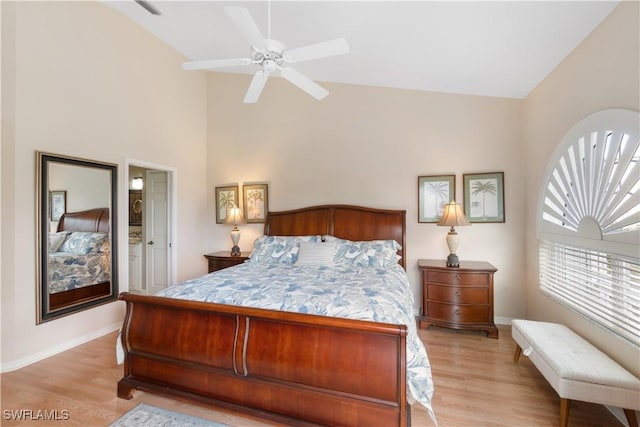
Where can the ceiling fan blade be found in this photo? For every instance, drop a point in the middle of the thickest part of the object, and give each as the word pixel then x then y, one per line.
pixel 319 50
pixel 304 83
pixel 216 63
pixel 256 86
pixel 247 26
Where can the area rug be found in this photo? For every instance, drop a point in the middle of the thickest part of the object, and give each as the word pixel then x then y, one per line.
pixel 145 415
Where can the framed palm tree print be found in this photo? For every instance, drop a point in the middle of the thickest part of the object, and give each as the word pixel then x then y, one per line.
pixel 433 193
pixel 226 198
pixel 256 202
pixel 484 197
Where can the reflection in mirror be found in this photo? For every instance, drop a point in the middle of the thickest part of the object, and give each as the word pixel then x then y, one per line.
pixel 77 243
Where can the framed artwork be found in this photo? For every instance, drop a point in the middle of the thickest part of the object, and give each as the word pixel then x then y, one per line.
pixel 433 193
pixel 484 197
pixel 256 202
pixel 135 207
pixel 57 204
pixel 226 198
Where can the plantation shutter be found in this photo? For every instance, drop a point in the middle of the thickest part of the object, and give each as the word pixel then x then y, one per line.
pixel 602 286
pixel 589 222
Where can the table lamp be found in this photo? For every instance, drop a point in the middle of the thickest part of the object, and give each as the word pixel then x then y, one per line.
pixel 453 216
pixel 234 216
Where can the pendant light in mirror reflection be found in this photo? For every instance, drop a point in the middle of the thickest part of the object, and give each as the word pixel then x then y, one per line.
pixel 137 183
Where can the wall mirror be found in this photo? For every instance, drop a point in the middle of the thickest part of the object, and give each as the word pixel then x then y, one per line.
pixel 77 234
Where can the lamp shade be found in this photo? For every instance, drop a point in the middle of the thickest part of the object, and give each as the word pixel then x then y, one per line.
pixel 234 216
pixel 453 215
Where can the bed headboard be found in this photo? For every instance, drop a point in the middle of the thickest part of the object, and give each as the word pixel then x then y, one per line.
pixel 89 220
pixel 343 221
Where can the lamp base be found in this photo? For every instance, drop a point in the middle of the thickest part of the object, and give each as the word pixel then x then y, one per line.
pixel 453 261
pixel 235 238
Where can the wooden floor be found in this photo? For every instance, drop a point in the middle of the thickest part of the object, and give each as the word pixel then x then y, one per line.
pixel 476 384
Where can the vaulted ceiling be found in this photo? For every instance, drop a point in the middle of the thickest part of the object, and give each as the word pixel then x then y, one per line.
pixel 493 48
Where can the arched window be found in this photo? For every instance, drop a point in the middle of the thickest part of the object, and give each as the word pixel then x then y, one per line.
pixel 589 222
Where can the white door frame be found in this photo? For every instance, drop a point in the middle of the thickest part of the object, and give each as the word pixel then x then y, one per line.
pixel 172 178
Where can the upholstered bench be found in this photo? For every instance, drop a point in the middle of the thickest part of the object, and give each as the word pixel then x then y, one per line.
pixel 576 369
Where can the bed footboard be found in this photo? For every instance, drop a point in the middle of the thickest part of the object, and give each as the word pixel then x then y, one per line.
pixel 297 368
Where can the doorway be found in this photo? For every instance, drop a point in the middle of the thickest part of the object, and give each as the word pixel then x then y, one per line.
pixel 150 227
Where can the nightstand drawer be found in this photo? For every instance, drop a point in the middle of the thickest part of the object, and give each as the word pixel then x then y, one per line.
pixel 458 295
pixel 219 264
pixel 458 313
pixel 456 278
pixel 223 259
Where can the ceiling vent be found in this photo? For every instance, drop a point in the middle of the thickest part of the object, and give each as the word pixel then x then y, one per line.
pixel 148 7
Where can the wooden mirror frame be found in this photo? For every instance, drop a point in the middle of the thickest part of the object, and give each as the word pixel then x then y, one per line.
pixel 106 218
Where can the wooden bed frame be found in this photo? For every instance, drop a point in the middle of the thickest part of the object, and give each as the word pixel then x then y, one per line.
pixel 92 220
pixel 296 368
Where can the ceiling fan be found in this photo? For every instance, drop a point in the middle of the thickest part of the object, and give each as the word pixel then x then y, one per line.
pixel 272 56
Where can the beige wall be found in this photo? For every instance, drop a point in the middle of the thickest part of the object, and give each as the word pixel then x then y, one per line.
pixel 86 188
pixel 600 73
pixel 80 79
pixel 367 146
pixel 117 93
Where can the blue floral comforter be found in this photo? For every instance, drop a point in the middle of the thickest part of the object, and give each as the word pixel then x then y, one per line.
pixel 68 271
pixel 366 293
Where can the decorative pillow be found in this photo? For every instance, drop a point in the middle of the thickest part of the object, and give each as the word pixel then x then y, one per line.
pixel 316 253
pixel 56 240
pixel 278 249
pixel 374 253
pixel 83 243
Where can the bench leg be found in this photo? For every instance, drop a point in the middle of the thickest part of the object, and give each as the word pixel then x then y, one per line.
pixel 516 356
pixel 631 417
pixel 565 406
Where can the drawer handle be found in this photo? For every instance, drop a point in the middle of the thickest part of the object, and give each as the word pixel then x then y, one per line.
pixel 457 312
pixel 457 277
pixel 457 293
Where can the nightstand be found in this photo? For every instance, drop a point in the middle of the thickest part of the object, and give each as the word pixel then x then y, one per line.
pixel 223 259
pixel 458 297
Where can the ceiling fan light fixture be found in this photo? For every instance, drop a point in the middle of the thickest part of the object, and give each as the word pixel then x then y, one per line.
pixel 273 52
pixel 271 56
pixel 269 66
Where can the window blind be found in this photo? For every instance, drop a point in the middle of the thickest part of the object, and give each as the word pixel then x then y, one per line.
pixel 601 286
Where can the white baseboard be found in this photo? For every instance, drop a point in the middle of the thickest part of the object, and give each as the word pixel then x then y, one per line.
pixel 25 361
pixel 503 320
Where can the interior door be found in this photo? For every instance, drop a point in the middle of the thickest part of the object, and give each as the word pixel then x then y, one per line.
pixel 156 231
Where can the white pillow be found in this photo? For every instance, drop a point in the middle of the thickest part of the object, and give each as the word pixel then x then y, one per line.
pixel 316 253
